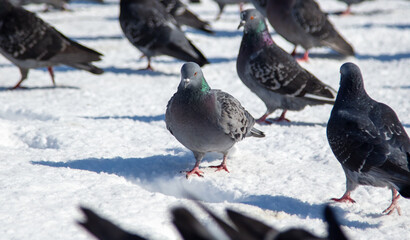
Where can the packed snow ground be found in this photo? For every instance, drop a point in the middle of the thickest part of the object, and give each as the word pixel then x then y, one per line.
pixel 101 141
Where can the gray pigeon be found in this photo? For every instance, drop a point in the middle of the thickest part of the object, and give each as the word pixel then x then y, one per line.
pixel 274 75
pixel 222 3
pixel 29 42
pixel 58 4
pixel 302 22
pixel 350 2
pixel 368 140
pixel 149 27
pixel 206 120
pixel 183 16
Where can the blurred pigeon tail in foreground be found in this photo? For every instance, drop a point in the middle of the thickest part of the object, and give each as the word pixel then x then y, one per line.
pixel 183 16
pixel 272 74
pixel 302 22
pixel 368 140
pixel 206 120
pixel 149 27
pixel 29 42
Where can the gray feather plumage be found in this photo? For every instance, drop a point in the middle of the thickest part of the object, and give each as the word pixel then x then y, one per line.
pixel 273 74
pixel 303 23
pixel 367 137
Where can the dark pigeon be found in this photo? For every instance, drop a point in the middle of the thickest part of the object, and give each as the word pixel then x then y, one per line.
pixel 260 5
pixel 302 22
pixel 29 42
pixel 368 140
pixel 149 27
pixel 103 229
pixel 183 16
pixel 206 120
pixel 272 74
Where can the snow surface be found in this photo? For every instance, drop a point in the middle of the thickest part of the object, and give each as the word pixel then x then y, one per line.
pixel 101 141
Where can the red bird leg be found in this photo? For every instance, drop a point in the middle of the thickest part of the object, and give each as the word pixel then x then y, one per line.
pixel 149 65
pixel 50 70
pixel 263 119
pixel 345 198
pixel 305 57
pixel 222 166
pixel 394 204
pixel 347 11
pixel 195 170
pixel 282 117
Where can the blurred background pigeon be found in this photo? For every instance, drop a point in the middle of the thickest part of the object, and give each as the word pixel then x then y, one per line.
pixel 29 42
pixel 206 120
pixel 183 16
pixel 149 27
pixel 222 3
pixel 349 3
pixel 272 74
pixel 303 23
pixel 368 140
pixel 57 4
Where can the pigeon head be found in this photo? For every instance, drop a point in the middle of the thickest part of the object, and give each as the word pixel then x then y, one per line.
pixel 351 80
pixel 192 78
pixel 252 20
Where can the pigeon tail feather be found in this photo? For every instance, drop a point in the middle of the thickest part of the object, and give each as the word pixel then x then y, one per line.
pixel 339 44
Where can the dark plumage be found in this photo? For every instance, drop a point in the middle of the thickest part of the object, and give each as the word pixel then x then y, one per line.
pixel 183 16
pixel 149 27
pixel 272 74
pixel 368 140
pixel 206 120
pixel 29 42
pixel 222 3
pixel 260 5
pixel 302 22
pixel 242 227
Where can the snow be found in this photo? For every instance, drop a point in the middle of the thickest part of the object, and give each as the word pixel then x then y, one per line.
pixel 101 141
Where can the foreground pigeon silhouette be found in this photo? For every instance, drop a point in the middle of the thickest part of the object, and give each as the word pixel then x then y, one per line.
pixel 29 42
pixel 302 22
pixel 272 74
pixel 368 140
pixel 190 228
pixel 149 27
pixel 206 120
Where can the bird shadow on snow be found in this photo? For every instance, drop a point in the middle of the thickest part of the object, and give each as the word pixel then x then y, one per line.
pixel 117 70
pixel 162 173
pixel 384 57
pixel 96 38
pixel 146 119
pixel 367 13
pixel 38 88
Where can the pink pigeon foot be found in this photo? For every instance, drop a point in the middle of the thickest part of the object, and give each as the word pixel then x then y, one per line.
pixel 196 171
pixel 220 167
pixel 305 57
pixel 394 205
pixel 345 198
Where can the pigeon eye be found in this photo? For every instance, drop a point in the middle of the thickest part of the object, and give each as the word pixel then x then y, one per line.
pixel 195 73
pixel 252 17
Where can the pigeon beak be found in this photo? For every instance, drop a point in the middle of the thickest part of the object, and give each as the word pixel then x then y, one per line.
pixel 241 24
pixel 186 82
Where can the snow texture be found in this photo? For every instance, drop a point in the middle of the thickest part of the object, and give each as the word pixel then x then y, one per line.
pixel 101 141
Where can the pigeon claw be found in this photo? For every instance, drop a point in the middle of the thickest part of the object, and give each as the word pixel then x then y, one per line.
pixel 345 198
pixel 196 171
pixel 220 167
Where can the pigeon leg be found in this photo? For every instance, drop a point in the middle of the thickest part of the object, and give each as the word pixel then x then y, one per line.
pixel 24 73
pixel 50 70
pixel 195 170
pixel 305 57
pixel 347 11
pixel 345 198
pixel 394 204
pixel 282 118
pixel 222 166
pixel 142 56
pixel 263 119
pixel 148 66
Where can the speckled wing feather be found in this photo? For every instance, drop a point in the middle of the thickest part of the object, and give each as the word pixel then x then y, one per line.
pixel 371 140
pixel 277 71
pixel 233 118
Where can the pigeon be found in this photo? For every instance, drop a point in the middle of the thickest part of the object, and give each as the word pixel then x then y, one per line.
pixel 104 229
pixel 222 3
pixel 368 140
pixel 350 2
pixel 272 74
pixel 149 27
pixel 183 16
pixel 190 228
pixel 302 22
pixel 29 42
pixel 57 4
pixel 206 120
